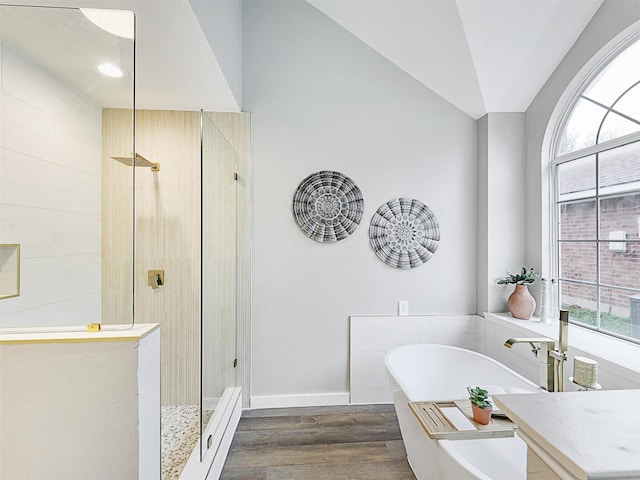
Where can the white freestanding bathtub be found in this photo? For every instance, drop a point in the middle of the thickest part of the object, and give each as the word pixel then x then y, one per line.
pixel 428 372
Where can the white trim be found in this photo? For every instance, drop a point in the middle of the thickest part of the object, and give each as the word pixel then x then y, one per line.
pixel 555 125
pixel 149 428
pixel 220 456
pixel 581 81
pixel 597 148
pixel 302 400
pixel 221 428
pixel 613 190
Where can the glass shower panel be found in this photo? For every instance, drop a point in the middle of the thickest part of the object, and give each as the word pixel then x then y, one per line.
pixel 219 269
pixel 65 205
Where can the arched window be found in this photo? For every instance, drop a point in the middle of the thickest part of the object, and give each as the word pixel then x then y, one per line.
pixel 597 198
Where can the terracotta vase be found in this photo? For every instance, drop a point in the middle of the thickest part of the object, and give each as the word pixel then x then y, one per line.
pixel 521 303
pixel 481 415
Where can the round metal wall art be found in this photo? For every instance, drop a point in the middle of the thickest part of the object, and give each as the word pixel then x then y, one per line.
pixel 327 206
pixel 404 233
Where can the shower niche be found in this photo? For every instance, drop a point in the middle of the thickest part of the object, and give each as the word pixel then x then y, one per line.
pixel 9 271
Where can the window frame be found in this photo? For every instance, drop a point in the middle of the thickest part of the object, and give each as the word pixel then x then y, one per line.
pixel 594 150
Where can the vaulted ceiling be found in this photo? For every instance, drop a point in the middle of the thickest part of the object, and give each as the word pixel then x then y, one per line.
pixel 480 55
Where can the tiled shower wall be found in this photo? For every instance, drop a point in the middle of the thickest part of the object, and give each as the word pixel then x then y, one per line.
pixel 50 197
pixel 167 234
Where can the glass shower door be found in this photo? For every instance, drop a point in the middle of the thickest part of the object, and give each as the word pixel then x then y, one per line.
pixel 219 270
pixel 66 204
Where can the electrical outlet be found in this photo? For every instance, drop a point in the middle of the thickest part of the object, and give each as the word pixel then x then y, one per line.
pixel 403 307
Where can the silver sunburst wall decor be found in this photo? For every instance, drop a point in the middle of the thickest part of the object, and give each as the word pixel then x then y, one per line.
pixel 327 206
pixel 404 233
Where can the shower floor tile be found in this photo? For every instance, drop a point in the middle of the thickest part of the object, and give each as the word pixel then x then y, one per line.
pixel 180 433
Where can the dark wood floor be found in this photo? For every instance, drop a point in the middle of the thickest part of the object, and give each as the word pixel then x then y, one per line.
pixel 318 443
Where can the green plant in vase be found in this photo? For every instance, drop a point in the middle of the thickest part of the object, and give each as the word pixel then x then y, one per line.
pixel 480 405
pixel 525 277
pixel 521 302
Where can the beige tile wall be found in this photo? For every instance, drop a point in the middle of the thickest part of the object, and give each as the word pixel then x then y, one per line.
pixel 167 236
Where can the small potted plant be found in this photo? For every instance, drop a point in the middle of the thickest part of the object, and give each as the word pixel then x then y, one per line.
pixel 521 302
pixel 480 405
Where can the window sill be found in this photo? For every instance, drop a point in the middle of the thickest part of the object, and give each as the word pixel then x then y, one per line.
pixel 604 348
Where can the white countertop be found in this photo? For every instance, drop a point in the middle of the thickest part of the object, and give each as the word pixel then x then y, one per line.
pixel 593 435
pixel 79 334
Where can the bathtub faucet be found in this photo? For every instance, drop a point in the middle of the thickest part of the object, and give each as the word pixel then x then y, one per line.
pixel 552 359
pixel 531 341
pixel 546 345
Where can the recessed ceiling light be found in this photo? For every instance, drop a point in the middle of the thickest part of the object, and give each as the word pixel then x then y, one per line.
pixel 116 22
pixel 111 70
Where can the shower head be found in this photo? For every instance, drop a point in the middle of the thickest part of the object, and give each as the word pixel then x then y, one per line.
pixel 140 161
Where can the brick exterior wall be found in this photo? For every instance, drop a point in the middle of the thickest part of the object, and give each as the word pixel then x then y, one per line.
pixel 578 261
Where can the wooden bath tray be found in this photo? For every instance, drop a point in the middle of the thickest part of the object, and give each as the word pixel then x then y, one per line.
pixel 438 426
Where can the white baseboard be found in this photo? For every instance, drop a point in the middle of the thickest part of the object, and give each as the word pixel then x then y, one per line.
pixel 221 428
pixel 309 400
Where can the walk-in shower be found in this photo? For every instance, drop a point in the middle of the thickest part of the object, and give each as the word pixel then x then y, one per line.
pixel 94 231
pixel 186 226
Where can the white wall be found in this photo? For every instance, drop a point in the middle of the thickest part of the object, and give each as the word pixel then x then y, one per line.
pixel 50 197
pixel 482 286
pixel 613 17
pixel 78 405
pixel 221 23
pixel 321 99
pixel 373 337
pixel 501 205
